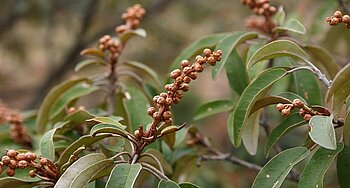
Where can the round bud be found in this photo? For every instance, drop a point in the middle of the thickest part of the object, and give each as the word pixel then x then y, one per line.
pixel 30 157
pixel 211 61
pixel 187 79
pixel 307 117
pixel 22 164
pixel 298 103
pixel 193 75
pixel 151 110
pixel 43 161
pixel 265 6
pixel 179 94
pixel 285 112
pixel 161 100
pixel 168 101
pixel 328 19
pixel 137 134
pixel 334 21
pixel 261 11
pixel 12 164
pixel 197 57
pixel 198 67
pixel 5 159
pixel 156 115
pixel 176 100
pixel 155 98
pixel 169 121
pixel 21 156
pixel 280 106
pixel 164 95
pixel 31 173
pixel 187 70
pixel 185 63
pixel 346 19
pixel 301 112
pixel 207 52
pixel 12 153
pixel 175 73
pixel 337 14
pixel 167 115
pixel 10 172
pixel 184 87
pixel 272 10
pixel 71 110
pixel 167 87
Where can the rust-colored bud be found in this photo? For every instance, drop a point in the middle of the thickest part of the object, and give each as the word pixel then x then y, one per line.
pixel 298 103
pixel 198 67
pixel 280 106
pixel 12 153
pixel 211 61
pixel 168 101
pixel 167 115
pixel 137 134
pixel 307 117
pixel 164 95
pixel 30 157
pixel 302 112
pixel 187 79
pixel 5 159
pixel 155 98
pixel 31 173
pixel 346 19
pixel 337 14
pixel 261 11
pixel 176 100
pixel 12 164
pixel 22 164
pixel 175 73
pixel 184 87
pixel 193 75
pixel 151 110
pixel 167 87
pixel 185 63
pixel 21 156
pixel 10 172
pixel 161 100
pixel 179 94
pixel 285 112
pixel 72 110
pixel 168 121
pixel 328 19
pixel 272 9
pixel 187 70
pixel 334 21
pixel 207 52
pixel 156 115
pixel 43 161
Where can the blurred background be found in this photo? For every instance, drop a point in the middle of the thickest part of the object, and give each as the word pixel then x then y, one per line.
pixel 41 40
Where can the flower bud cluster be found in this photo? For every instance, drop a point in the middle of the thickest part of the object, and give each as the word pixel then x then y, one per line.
pixel 15 160
pixel 132 18
pixel 304 111
pixel 113 46
pixel 337 18
pixel 18 131
pixel 260 7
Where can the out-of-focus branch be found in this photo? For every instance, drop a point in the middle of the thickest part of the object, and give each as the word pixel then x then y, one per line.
pixel 345 8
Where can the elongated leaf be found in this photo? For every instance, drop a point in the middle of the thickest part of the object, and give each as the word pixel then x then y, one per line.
pixel 227 45
pixel 277 169
pixel 145 69
pixel 236 72
pixel 165 164
pixel 343 166
pixel 339 80
pixel 291 96
pixel 85 141
pixel 250 134
pixel 307 86
pixel 68 176
pixel 89 62
pixel 322 131
pixel 93 52
pixel 167 184
pixel 312 175
pixel 50 99
pixel 123 176
pixel 278 48
pixel 212 108
pixel 79 117
pixel 136 105
pixel 188 185
pixel 72 94
pixel 324 57
pixel 346 131
pixel 283 128
pixel 291 25
pixel 339 98
pixel 109 120
pixel 197 47
pixel 130 33
pixel 107 128
pixel 16 182
pixel 269 100
pixel 248 98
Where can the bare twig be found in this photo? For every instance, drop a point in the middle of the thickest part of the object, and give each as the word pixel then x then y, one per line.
pixel 312 68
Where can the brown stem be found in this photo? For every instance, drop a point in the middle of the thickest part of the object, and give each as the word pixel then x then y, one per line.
pixel 112 79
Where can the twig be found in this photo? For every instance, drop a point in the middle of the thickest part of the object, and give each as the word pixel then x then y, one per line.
pixel 312 68
pixel 344 6
pixel 154 171
pixel 155 159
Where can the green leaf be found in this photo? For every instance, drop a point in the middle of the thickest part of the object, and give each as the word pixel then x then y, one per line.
pixel 346 131
pixel 16 182
pixel 269 100
pixel 291 25
pixel 249 96
pixel 130 33
pixel 165 164
pixel 79 116
pixel 236 72
pixel 107 128
pixel 197 47
pixel 73 93
pixel 278 48
pixel 85 141
pixel 167 184
pixel 46 145
pixel 73 170
pixel 212 108
pixel 123 176
pixel 90 63
pixel 340 79
pixel 277 169
pixel 312 175
pixel 339 98
pixel 250 134
pixel 283 128
pixel 291 96
pixel 145 69
pixel 136 105
pixel 44 110
pixel 94 52
pixel 343 166
pixel 227 45
pixel 280 15
pixel 322 131
pixel 307 86
pixel 109 120
pixel 188 185
pixel 324 57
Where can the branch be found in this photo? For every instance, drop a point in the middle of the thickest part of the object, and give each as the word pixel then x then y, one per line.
pixel 345 8
pixel 312 68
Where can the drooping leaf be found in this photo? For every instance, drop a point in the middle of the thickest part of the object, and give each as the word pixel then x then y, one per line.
pixel 73 93
pixel 94 52
pixel 250 134
pixel 249 97
pixel 188 185
pixel 123 175
pixel 346 131
pixel 136 105
pixel 109 120
pixel 324 57
pixel 339 80
pixel 130 33
pixel 197 47
pixel 283 128
pixel 107 128
pixel 269 100
pixel 312 175
pixel 167 184
pixel 291 25
pixel 227 45
pixel 277 169
pixel 79 116
pixel 44 110
pixel 89 67
pixel 212 108
pixel 236 72
pixel 343 166
pixel 339 98
pixel 322 131
pixel 307 86
pixel 145 69
pixel 278 48
pixel 68 176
